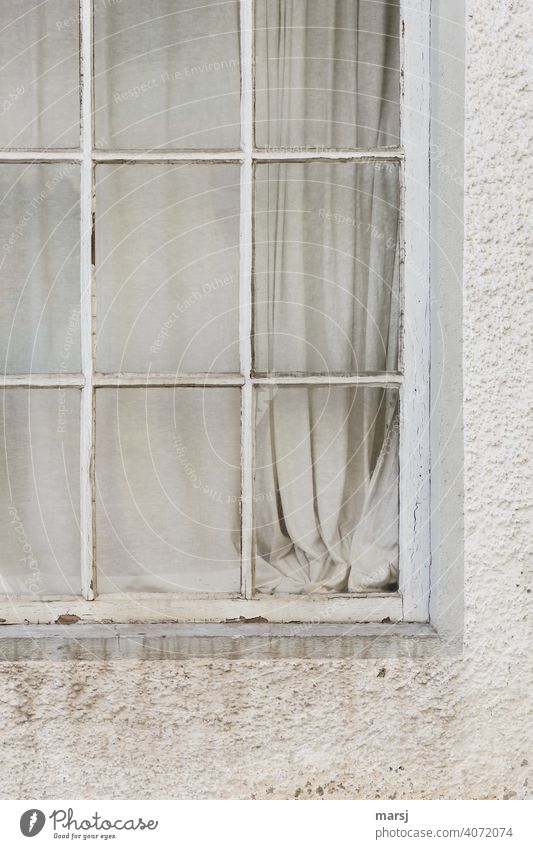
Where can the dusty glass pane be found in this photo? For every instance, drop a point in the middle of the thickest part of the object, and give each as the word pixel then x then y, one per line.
pixel 326 282
pixel 39 74
pixel 327 73
pixel 167 268
pixel 39 491
pixel 40 268
pixel 167 74
pixel 168 482
pixel 326 491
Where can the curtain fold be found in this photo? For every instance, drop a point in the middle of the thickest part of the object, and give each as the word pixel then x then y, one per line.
pixel 327 74
pixel 326 267
pixel 326 489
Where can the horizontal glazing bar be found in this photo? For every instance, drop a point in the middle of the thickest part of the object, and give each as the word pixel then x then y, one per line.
pixel 42 380
pixel 273 154
pixel 40 156
pixel 385 379
pixel 102 380
pixel 214 155
pixel 167 156
pixel 118 380
pixel 297 154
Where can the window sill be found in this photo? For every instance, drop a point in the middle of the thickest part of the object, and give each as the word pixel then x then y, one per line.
pixel 231 641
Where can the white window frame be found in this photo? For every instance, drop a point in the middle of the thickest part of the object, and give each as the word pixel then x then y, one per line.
pixel 411 603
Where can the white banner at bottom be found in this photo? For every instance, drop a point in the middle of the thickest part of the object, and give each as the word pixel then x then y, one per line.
pixel 216 824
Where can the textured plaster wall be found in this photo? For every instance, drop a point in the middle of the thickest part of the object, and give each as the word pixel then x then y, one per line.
pixel 453 727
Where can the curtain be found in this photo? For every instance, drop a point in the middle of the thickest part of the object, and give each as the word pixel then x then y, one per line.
pixel 326 496
pixel 327 73
pixel 40 491
pixel 168 485
pixel 326 267
pixel 39 334
pixel 326 301
pixel 167 74
pixel 40 268
pixel 39 74
pixel 167 268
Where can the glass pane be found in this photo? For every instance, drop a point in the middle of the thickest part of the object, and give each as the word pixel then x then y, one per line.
pixel 168 483
pixel 326 267
pixel 39 76
pixel 326 498
pixel 167 74
pixel 167 268
pixel 327 74
pixel 39 276
pixel 39 491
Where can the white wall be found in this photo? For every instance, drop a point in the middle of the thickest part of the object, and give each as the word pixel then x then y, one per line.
pixel 452 727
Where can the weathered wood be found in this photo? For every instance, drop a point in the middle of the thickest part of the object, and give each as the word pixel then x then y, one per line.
pixel 226 641
pixel 174 607
pixel 245 323
pixel 88 574
pixel 415 553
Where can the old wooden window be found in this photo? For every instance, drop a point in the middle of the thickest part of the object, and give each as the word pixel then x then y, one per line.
pixel 214 326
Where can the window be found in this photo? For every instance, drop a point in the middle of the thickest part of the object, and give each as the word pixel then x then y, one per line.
pixel 214 327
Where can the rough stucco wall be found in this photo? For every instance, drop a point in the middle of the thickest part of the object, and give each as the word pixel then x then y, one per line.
pixel 425 729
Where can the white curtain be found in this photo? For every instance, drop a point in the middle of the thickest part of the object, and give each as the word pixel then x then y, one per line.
pixel 39 491
pixel 39 334
pixel 168 482
pixel 326 295
pixel 327 301
pixel 40 268
pixel 327 73
pixel 326 267
pixel 39 73
pixel 167 74
pixel 167 268
pixel 326 496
